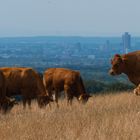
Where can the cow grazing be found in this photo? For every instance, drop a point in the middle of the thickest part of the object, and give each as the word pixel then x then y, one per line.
pixel 69 81
pixel 128 64
pixel 27 83
pixel 6 104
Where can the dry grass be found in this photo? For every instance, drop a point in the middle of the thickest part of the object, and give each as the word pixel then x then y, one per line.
pixel 108 117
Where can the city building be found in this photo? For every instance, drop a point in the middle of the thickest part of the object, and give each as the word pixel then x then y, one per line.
pixel 126 38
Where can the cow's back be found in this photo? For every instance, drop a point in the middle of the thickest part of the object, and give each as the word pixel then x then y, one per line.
pixel 18 79
pixel 58 77
pixel 132 60
pixel 132 66
pixel 61 77
pixel 13 80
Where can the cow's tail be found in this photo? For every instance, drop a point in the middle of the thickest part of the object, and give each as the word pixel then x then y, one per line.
pixel 83 90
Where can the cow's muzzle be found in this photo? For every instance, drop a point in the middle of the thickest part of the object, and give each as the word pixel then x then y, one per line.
pixel 111 72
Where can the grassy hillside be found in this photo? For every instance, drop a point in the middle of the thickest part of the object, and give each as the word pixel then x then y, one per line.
pixel 104 117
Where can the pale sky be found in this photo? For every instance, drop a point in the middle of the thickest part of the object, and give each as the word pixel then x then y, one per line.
pixel 69 17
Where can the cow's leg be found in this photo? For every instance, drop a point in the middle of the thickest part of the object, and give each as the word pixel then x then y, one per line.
pixel 68 93
pixel 23 91
pixel 50 105
pixel 24 102
pixel 56 98
pixel 50 93
pixel 1 99
pixel 69 99
pixel 29 103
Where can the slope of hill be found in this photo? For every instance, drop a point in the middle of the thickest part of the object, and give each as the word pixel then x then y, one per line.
pixel 104 117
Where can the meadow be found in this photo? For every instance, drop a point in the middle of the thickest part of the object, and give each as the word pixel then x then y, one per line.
pixel 104 117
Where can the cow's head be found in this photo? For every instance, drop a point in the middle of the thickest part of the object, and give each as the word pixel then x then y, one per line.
pixel 44 100
pixel 117 65
pixel 84 98
pixel 7 104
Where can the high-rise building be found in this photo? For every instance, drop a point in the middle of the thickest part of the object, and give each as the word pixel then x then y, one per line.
pixel 126 38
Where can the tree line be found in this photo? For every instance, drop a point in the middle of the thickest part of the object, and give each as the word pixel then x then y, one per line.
pixel 96 87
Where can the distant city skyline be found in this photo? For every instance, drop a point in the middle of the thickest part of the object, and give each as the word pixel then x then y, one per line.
pixel 69 18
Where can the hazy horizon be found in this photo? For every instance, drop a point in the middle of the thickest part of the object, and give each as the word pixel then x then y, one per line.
pixel 71 35
pixel 69 18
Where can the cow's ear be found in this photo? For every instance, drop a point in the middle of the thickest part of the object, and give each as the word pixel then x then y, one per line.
pixel 117 55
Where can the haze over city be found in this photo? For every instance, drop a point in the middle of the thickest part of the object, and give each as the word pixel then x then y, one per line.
pixel 77 34
pixel 69 17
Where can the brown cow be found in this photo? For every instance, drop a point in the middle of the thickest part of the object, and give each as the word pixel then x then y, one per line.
pixel 128 64
pixel 69 81
pixel 6 104
pixel 27 83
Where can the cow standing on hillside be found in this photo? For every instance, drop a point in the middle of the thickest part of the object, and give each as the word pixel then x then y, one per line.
pixel 69 81
pixel 128 64
pixel 27 83
pixel 6 104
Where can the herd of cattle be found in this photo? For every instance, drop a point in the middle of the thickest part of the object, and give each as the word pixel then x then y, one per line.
pixel 27 83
